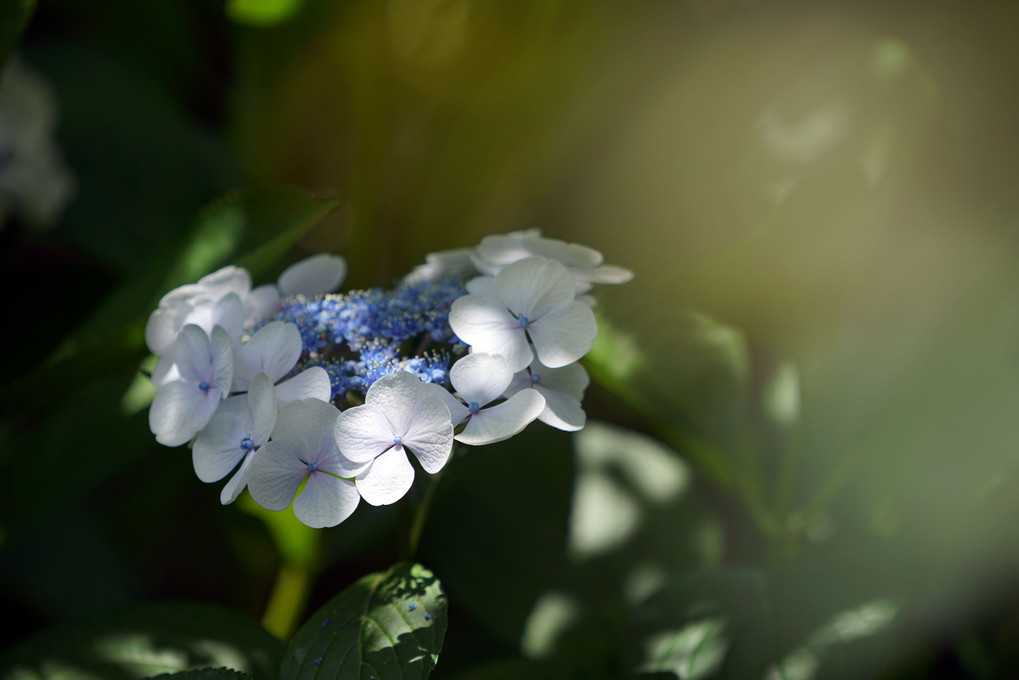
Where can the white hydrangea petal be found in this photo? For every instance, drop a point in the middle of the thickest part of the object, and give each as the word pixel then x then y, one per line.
pixel 307 426
pixel 162 327
pixel 222 350
pixel 311 383
pixel 232 489
pixel 179 410
pixel 325 501
pixel 564 334
pixel 275 474
pixel 570 254
pixel 166 370
pixel 275 349
pixel 193 354
pixel 261 303
pixel 363 432
pixel 604 274
pixel 520 381
pixel 485 324
pixel 315 275
pixel 481 285
pixel 430 435
pixel 388 479
pixel 480 377
pixel 183 295
pixel 217 448
pixel 227 312
pixel 571 379
pixel 562 411
pixel 222 282
pixel 534 286
pixel 457 411
pixel 504 420
pixel 396 395
pixel 261 402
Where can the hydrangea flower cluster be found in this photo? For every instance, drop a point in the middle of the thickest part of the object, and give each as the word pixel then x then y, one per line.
pixel 318 400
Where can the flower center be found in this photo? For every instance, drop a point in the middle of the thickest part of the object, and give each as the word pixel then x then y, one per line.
pixel 312 466
pixel 473 407
pixel 522 320
pixel 535 378
pixel 397 439
pixel 247 444
pixel 203 386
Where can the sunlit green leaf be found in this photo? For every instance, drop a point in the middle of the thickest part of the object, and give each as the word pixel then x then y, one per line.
pixel 206 674
pixel 146 641
pixel 261 12
pixel 385 626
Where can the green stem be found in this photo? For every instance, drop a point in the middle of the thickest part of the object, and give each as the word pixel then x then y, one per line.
pixel 417 525
pixel 286 603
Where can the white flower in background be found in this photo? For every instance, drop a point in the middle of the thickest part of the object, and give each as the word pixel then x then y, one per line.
pixel 563 390
pixel 303 448
pixel 399 414
pixel 585 265
pixel 35 182
pixel 456 261
pixel 240 427
pixel 480 379
pixel 205 370
pixel 530 299
pixel 216 300
pixel 211 301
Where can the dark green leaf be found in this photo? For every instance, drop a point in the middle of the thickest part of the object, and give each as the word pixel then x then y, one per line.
pixel 146 641
pixel 386 625
pixel 205 674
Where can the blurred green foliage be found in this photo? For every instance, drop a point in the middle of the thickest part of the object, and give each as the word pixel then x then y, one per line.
pixel 801 455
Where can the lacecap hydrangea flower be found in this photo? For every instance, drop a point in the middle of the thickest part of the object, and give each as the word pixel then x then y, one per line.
pixel 317 399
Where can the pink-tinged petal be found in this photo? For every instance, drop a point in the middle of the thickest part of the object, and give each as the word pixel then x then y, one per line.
pixel 179 411
pixel 395 395
pixel 222 282
pixel 325 501
pixel 502 421
pixel 388 479
pixel 307 426
pixel 275 474
pixel 481 285
pixel 562 411
pixel 217 448
pixel 233 488
pixel 261 402
pixel 534 286
pixel 480 377
pixel 193 354
pixel 362 433
pixel 430 435
pixel 564 334
pixel 222 360
pixel 261 303
pixel 315 275
pixel 571 379
pixel 312 383
pixel 457 411
pixel 275 349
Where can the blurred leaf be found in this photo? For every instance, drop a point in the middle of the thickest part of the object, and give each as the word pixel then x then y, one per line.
pixel 500 556
pixel 386 625
pixel 146 641
pixel 261 12
pixel 14 16
pixel 206 674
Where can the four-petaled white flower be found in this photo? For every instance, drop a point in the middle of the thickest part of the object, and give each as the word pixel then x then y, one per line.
pixel 399 414
pixel 216 300
pixel 480 379
pixel 303 448
pixel 275 349
pixel 585 265
pixel 532 298
pixel 563 389
pixel 240 427
pixel 205 370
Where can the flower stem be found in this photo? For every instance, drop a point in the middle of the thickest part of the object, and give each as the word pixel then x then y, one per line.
pixel 286 603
